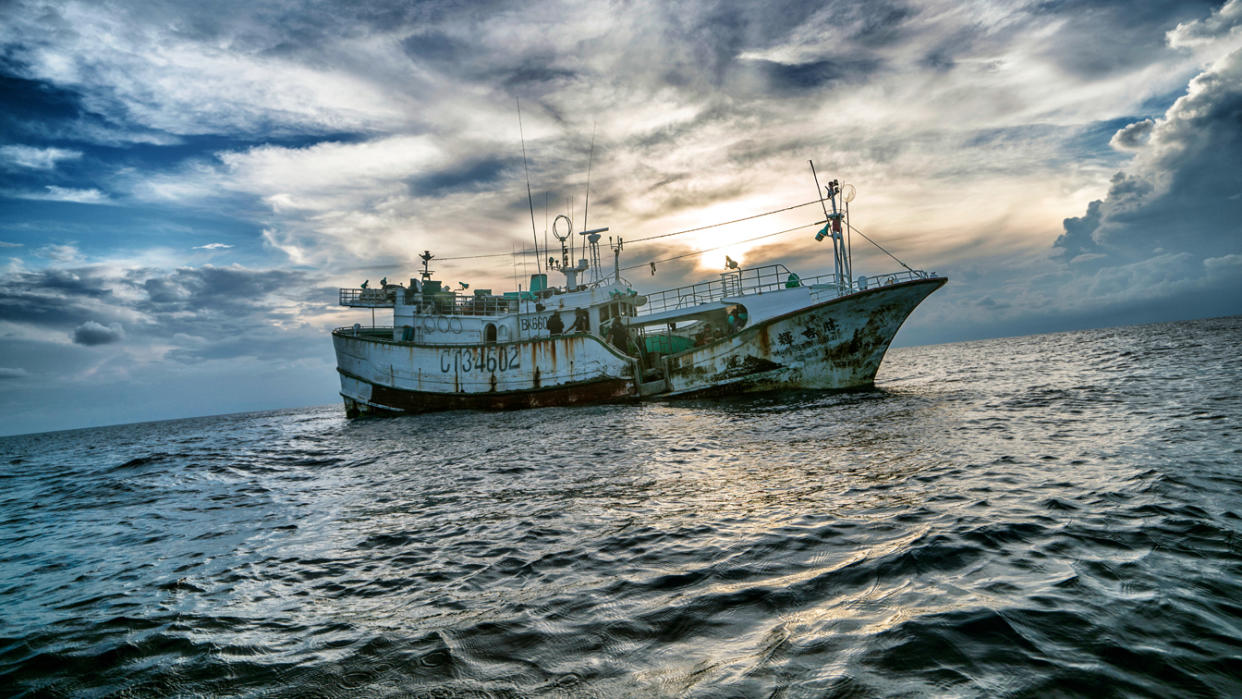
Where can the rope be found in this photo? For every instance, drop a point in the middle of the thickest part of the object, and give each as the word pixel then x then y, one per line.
pixel 653 237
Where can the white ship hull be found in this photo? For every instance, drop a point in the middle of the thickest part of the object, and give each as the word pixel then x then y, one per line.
pixel 382 375
pixel 837 344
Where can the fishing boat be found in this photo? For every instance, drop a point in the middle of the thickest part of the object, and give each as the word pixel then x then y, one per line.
pixel 595 338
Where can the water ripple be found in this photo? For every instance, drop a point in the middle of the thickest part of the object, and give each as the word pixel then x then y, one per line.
pixel 1047 515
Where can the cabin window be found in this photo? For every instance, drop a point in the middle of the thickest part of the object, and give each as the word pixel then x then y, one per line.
pixel 489 333
pixel 616 309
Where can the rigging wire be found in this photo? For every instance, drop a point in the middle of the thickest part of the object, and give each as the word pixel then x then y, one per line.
pixel 721 247
pixel 881 247
pixel 725 223
pixel 653 237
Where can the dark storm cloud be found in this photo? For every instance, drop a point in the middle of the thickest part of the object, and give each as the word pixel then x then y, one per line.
pixel 92 333
pixel 40 111
pixel 700 46
pixel 225 312
pixel 468 177
pixel 534 74
pixel 215 289
pixel 437 48
pixel 212 312
pixel 1133 136
pixel 55 296
pixel 1076 240
pixel 1183 192
pixel 449 55
pixel 67 283
pixel 1096 39
pixel 30 102
pixel 800 77
pixel 289 26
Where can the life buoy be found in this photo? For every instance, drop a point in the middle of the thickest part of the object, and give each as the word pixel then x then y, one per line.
pixel 442 324
pixel 429 323
pixel 456 325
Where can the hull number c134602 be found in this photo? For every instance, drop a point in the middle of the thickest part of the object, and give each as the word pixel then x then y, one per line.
pixel 482 359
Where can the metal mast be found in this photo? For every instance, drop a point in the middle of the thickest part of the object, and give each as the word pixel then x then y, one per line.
pixel 529 197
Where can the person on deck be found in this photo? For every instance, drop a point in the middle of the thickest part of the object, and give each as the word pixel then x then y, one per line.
pixel 618 336
pixel 555 325
pixel 582 321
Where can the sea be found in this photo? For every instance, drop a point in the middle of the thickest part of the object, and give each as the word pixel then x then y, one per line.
pixel 1053 515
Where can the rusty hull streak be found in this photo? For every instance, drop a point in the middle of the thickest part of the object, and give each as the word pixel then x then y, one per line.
pixel 815 347
pixel 372 384
pixel 387 399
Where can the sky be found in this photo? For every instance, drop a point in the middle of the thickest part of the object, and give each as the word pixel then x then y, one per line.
pixel 184 185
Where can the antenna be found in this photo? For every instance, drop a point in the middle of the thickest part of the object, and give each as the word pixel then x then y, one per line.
pixel 529 198
pixel 587 206
pixel 426 258
pixel 591 245
pixel 834 223
pixel 848 191
pixel 569 231
pixel 616 257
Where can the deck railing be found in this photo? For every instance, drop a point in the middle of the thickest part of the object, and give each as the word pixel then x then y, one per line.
pixel 762 280
pixel 368 298
pixel 739 283
pixel 441 302
pixel 745 282
pixel 448 303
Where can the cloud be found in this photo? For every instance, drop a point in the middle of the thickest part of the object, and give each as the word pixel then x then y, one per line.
pixel 1182 189
pixel 92 333
pixel 348 138
pixel 167 68
pixel 718 102
pixel 12 373
pixel 68 194
pixel 5 244
pixel 1165 239
pixel 1134 136
pixel 1225 20
pixel 37 158
pixel 405 130
pixel 60 253
pixel 155 304
pixel 1226 264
